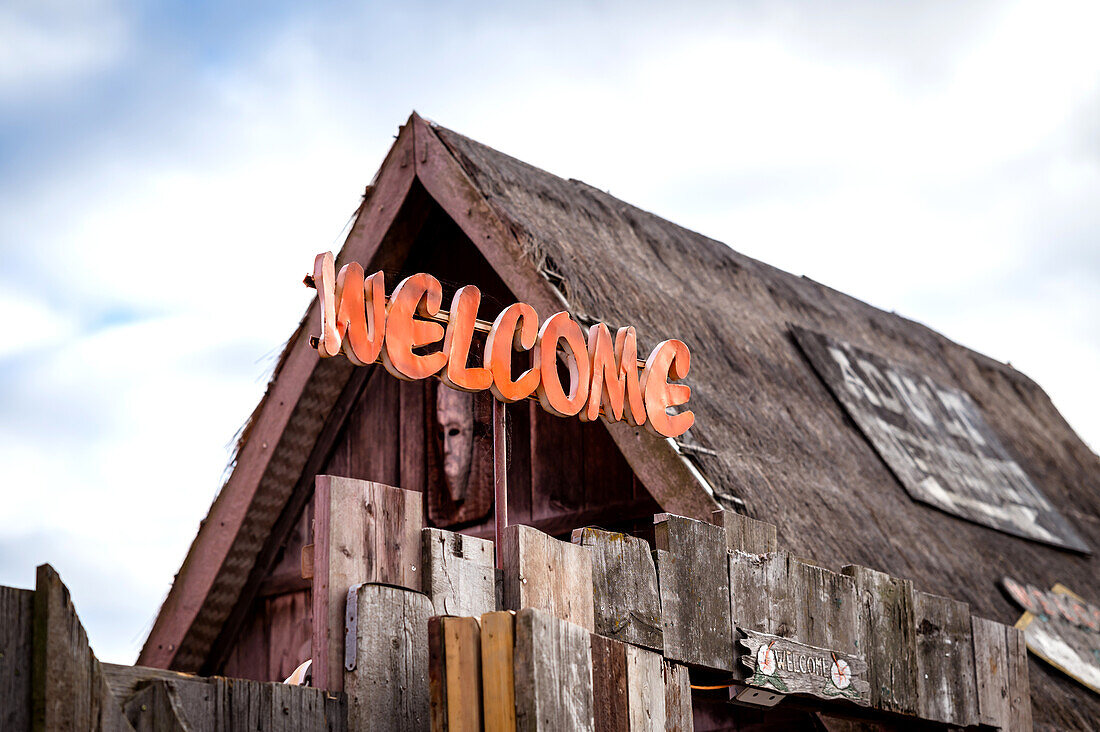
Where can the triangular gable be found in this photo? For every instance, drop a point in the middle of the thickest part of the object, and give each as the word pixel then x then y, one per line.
pixel 275 452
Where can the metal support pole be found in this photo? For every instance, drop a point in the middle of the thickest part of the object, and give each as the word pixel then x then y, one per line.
pixel 500 474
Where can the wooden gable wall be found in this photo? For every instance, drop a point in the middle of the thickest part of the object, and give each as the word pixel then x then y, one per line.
pixel 562 474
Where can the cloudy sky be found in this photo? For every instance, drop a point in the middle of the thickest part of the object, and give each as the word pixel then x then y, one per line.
pixel 162 165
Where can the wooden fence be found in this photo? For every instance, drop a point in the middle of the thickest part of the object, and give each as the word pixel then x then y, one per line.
pixel 51 680
pixel 607 633
pixel 415 628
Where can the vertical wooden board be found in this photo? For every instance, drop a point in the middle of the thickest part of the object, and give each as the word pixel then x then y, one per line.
pixel 437 675
pixel 16 657
pixel 372 440
pixel 645 690
pixel 462 647
pixel 557 464
pixel 498 672
pixel 412 458
pixel 693 579
pixel 388 688
pixel 744 534
pixel 68 687
pixel 1019 686
pixel 825 606
pixel 760 593
pixel 458 573
pixel 625 599
pixel 678 710
pixel 518 419
pixel 363 532
pixel 544 573
pixel 945 660
pixel 888 635
pixel 991 672
pixel 288 635
pixel 611 705
pixel 156 708
pixel 607 476
pixel 553 672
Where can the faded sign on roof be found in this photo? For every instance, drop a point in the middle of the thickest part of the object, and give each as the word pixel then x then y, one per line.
pixel 936 442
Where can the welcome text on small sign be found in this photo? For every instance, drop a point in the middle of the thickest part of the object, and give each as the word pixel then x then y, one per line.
pixel 358 320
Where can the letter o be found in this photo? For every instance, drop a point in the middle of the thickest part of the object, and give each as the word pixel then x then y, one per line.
pixel 560 327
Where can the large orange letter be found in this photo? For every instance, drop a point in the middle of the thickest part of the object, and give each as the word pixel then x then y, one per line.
pixel 614 376
pixel 515 329
pixel 420 294
pixel 560 327
pixel 669 360
pixel 456 344
pixel 346 322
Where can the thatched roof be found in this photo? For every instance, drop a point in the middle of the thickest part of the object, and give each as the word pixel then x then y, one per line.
pixel 775 439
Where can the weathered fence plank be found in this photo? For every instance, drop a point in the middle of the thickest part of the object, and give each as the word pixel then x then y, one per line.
pixel 609 688
pixel 945 660
pixel 889 638
pixel 387 686
pixel 553 668
pixel 544 573
pixel 693 578
pixel 760 593
pixel 1019 687
pixel 363 532
pixel 678 713
pixel 216 704
pixel 744 534
pixel 16 657
pixel 645 690
pixel 68 687
pixel 991 672
pixel 498 690
pixel 825 608
pixel 626 602
pixel 458 573
pixel 156 708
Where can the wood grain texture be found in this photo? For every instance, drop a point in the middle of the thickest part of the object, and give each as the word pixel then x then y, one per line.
pixel 679 716
pixel 544 573
pixel 946 685
pixel 216 704
pixel 610 704
pixel 889 638
pixel 625 598
pixel 69 689
pixel 645 690
pixel 16 657
pixel 389 687
pixel 156 708
pixel 991 671
pixel 498 684
pixel 744 534
pixel 1019 684
pixel 462 647
pixel 364 532
pixel 458 573
pixel 553 672
pixel 693 575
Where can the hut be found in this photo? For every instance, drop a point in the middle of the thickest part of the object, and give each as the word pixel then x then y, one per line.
pixel 781 433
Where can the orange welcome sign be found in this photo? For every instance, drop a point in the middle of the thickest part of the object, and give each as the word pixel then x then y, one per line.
pixel 605 378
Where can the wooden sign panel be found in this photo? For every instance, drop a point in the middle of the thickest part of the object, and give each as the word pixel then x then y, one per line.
pixel 936 442
pixel 1060 628
pixel 796 668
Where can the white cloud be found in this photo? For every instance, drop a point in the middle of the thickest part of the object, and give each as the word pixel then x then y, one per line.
pixel 46 45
